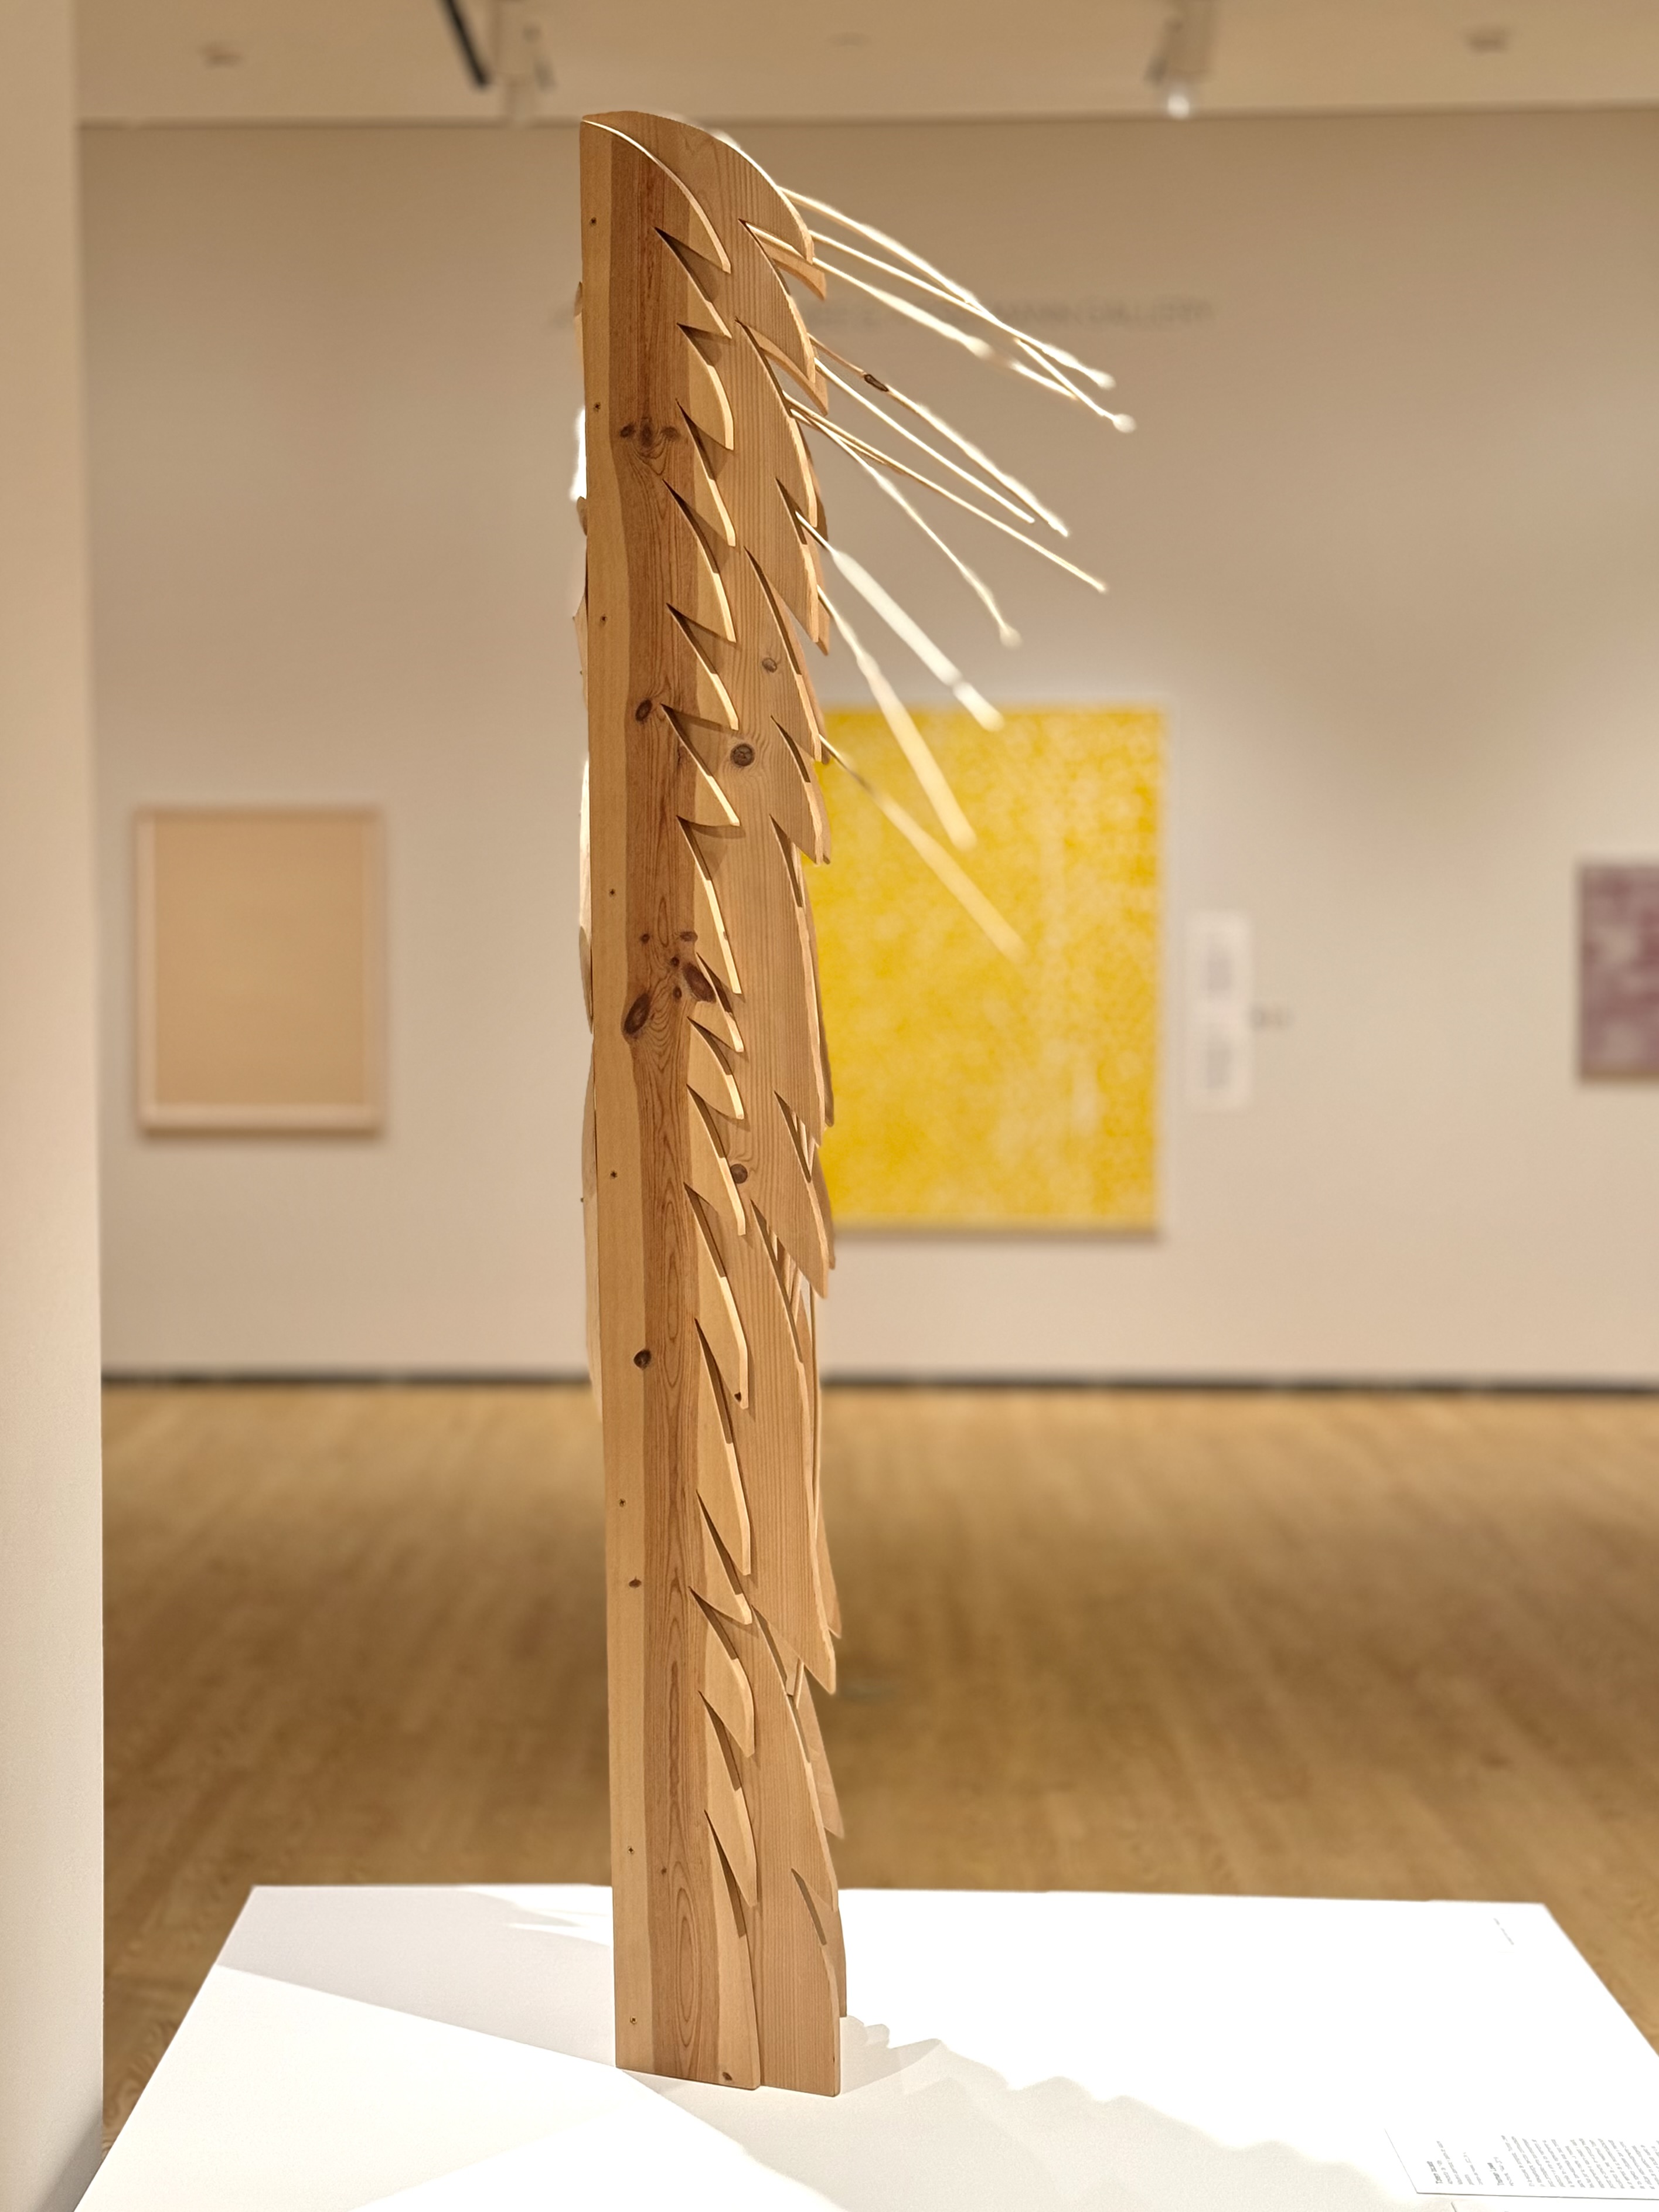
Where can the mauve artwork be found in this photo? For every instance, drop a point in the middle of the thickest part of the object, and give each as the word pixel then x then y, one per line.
pixel 1618 969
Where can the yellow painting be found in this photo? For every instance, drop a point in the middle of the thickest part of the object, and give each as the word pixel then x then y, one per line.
pixel 973 1090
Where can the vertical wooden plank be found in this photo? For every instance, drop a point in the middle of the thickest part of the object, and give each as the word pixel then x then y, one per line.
pixel 709 1225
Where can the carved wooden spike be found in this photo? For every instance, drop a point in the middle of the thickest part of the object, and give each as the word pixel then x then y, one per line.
pixel 709 1225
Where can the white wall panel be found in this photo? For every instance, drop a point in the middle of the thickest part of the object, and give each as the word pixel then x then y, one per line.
pixel 1387 542
pixel 52 1932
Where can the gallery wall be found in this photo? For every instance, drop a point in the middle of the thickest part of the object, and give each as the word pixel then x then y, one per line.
pixel 51 1898
pixel 333 381
pixel 1385 544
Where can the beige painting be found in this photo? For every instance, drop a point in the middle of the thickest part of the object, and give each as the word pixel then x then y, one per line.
pixel 260 958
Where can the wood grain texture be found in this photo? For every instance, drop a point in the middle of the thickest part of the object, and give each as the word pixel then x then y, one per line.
pixel 709 1230
pixel 1323 1646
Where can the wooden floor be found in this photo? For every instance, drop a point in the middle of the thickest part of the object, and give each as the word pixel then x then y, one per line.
pixel 1354 1646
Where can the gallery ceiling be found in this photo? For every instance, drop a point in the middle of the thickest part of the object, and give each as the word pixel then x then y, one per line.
pixel 397 60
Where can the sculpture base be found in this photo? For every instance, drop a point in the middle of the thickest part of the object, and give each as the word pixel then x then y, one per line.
pixel 442 2048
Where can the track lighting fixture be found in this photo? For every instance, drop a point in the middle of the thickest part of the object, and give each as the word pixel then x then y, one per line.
pixel 514 54
pixel 1182 60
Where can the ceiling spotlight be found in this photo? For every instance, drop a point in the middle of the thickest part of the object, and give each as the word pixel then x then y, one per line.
pixel 1182 60
pixel 516 54
pixel 524 65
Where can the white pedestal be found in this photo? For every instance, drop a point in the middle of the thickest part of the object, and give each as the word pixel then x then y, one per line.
pixel 440 2049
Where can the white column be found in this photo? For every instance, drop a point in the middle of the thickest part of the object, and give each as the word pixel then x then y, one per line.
pixel 50 1688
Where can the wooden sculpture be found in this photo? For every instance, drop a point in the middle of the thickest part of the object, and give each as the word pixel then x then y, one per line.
pixel 709 1221
pixel 710 1097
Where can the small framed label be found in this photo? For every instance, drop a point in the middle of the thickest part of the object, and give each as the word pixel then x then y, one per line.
pixel 1220 986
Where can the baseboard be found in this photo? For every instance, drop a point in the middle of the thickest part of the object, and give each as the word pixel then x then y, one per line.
pixel 1500 1386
